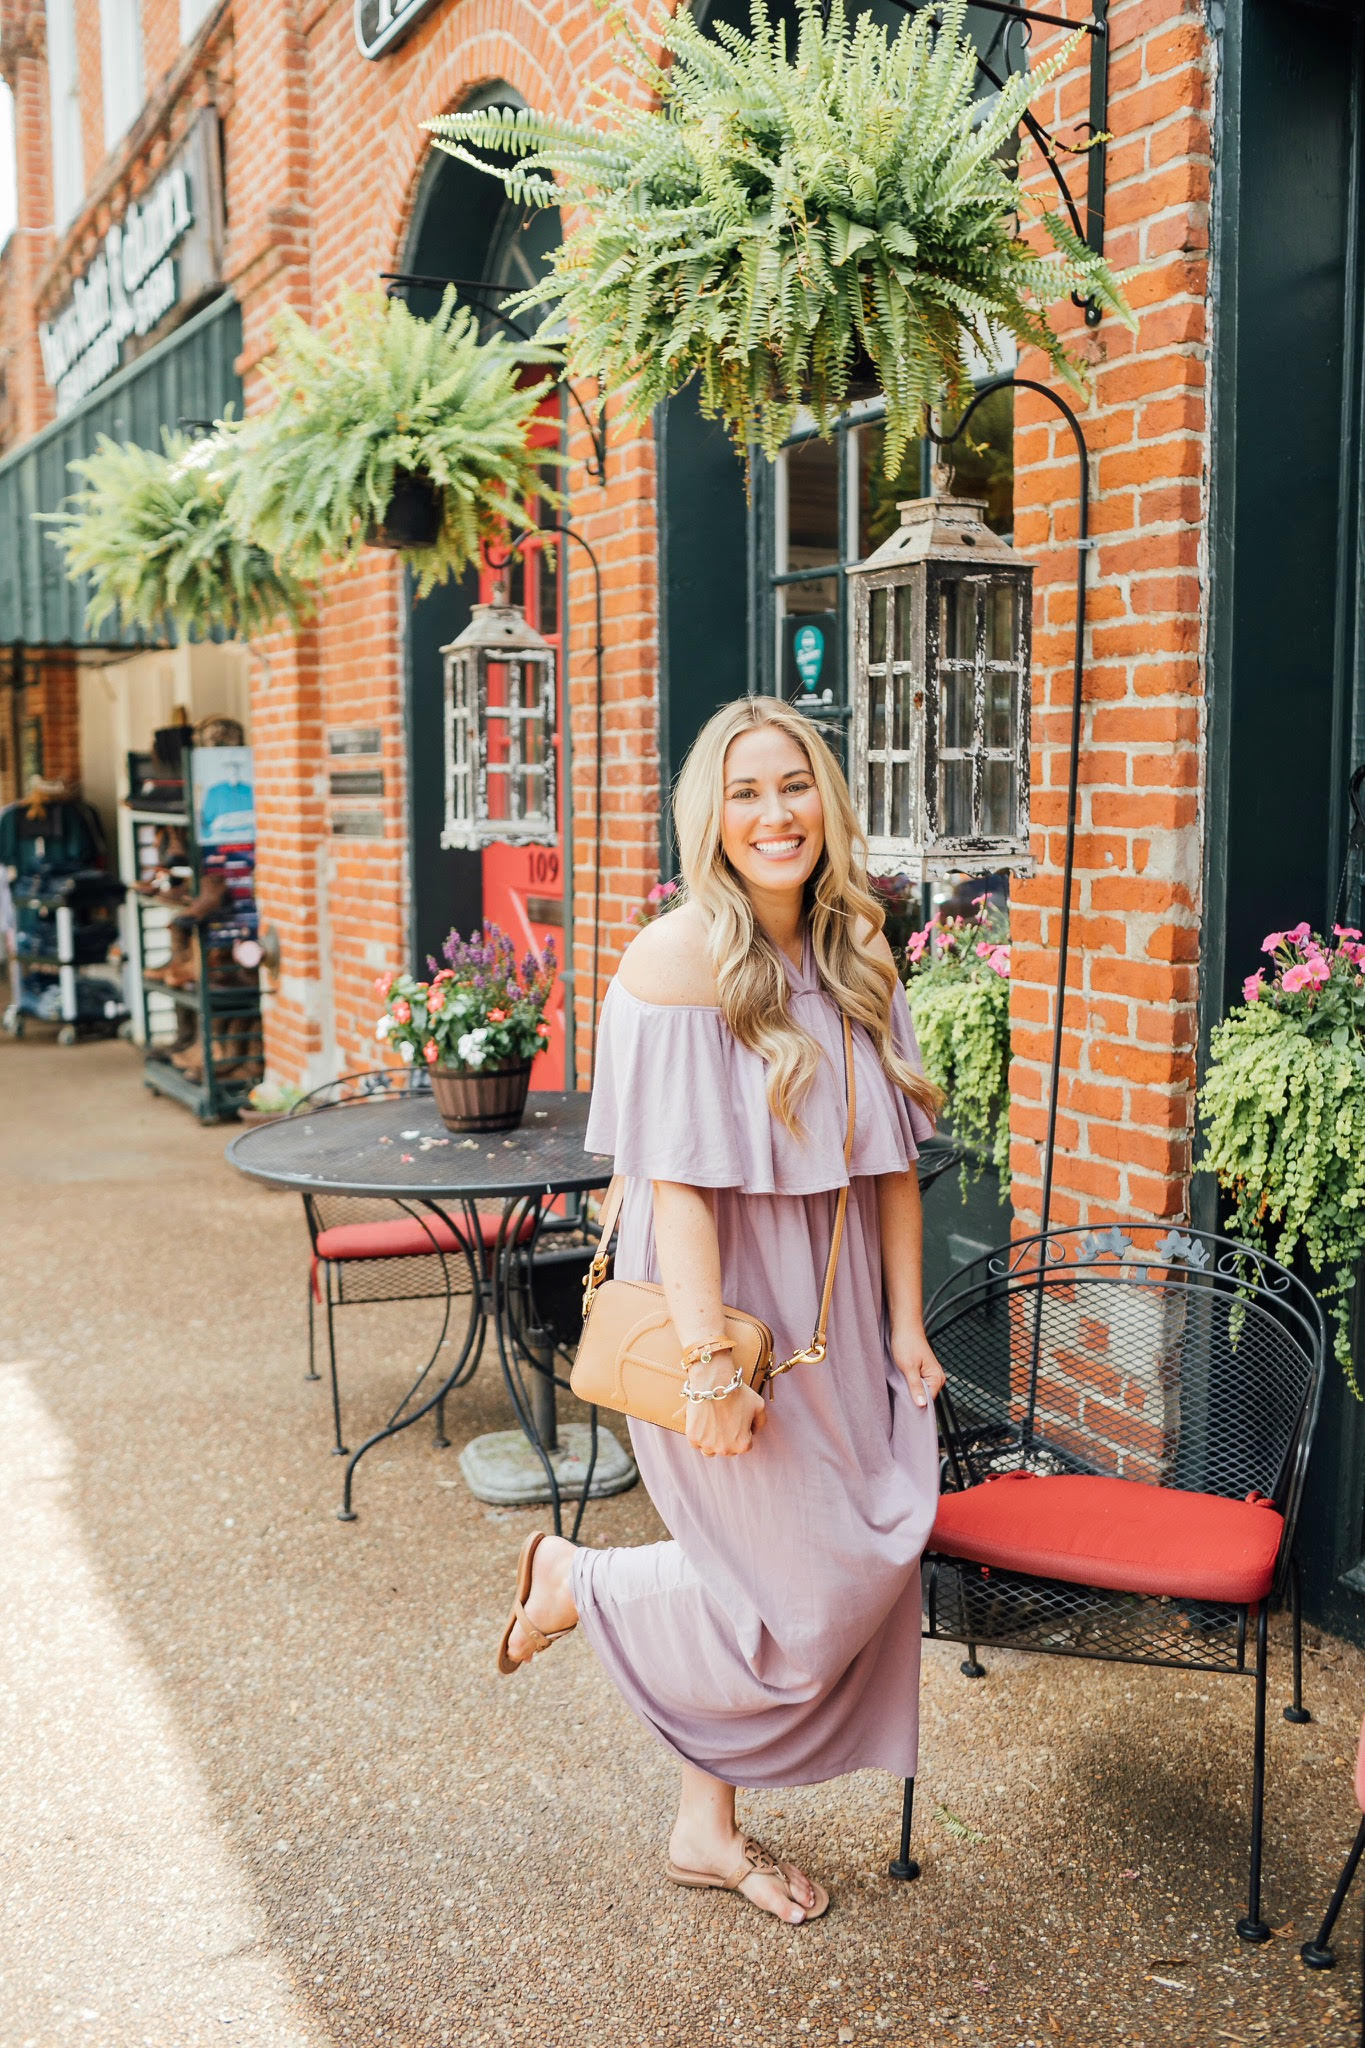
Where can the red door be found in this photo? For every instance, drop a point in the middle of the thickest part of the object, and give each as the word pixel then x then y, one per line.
pixel 523 886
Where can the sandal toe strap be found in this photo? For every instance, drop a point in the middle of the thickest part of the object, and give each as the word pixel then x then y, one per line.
pixel 535 1637
pixel 757 1863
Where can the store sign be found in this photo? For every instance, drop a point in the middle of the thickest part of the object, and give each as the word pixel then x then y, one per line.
pixel 379 24
pixel 164 252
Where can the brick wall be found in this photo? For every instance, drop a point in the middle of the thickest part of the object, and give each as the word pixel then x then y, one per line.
pixel 323 153
pixel 324 157
pixel 1126 1107
pixel 90 70
pixel 23 46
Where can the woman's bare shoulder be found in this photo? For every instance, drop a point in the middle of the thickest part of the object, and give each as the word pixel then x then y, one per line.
pixel 667 961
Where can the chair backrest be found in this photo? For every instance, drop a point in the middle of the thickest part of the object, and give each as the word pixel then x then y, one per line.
pixel 324 1212
pixel 360 1087
pixel 1173 1357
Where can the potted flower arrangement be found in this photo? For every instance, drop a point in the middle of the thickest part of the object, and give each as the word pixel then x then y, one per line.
pixel 1283 1110
pixel 959 994
pixel 795 226
pixel 395 432
pixel 156 535
pixel 477 1023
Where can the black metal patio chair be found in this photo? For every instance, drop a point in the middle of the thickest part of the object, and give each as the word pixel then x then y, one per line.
pixel 1125 1432
pixel 379 1250
pixel 367 1250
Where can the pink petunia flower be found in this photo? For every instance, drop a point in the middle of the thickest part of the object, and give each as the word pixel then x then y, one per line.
pixel 1272 942
pixel 1299 933
pixel 999 959
pixel 1346 931
pixel 1252 986
pixel 1295 978
pixel 1318 969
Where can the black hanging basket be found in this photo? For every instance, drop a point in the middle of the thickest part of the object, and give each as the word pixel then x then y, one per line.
pixel 413 518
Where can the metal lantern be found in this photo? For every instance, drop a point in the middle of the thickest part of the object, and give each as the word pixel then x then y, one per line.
pixel 940 749
pixel 499 731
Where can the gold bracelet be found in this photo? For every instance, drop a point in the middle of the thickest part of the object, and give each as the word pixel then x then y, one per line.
pixel 703 1353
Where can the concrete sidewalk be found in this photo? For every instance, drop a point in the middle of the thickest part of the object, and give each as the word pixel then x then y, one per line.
pixel 259 1782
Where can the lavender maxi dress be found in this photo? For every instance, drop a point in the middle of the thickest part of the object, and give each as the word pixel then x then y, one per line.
pixel 775 1640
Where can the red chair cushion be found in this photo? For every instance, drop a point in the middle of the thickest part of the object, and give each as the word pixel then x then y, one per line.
pixel 403 1238
pixel 1115 1533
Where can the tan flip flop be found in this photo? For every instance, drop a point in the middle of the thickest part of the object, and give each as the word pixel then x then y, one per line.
pixel 757 1863
pixel 537 1638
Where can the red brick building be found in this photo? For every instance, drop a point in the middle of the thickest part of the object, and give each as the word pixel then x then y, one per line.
pixel 1203 630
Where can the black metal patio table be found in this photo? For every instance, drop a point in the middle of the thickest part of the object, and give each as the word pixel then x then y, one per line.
pixel 395 1147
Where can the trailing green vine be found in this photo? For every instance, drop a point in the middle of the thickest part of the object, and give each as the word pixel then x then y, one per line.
pixel 959 996
pixel 1283 1110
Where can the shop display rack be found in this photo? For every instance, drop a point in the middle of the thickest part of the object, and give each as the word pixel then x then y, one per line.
pixel 195 946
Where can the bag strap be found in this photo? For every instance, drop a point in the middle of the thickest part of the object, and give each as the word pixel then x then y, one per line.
pixel 814 1352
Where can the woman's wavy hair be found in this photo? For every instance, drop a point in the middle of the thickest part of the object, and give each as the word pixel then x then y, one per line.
pixel 750 977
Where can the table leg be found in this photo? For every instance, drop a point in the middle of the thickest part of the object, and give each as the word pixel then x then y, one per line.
pixel 469 1351
pixel 541 1462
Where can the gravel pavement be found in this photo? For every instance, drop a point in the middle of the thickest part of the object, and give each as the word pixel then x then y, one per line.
pixel 259 1782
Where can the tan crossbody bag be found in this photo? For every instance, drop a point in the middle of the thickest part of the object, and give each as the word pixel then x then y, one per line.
pixel 629 1357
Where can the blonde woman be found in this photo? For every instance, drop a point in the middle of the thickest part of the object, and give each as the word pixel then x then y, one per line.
pixel 775 1639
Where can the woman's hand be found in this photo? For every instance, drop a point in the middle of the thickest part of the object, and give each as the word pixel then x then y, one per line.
pixel 914 1356
pixel 726 1429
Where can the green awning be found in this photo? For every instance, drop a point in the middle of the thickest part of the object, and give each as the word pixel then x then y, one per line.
pixel 189 375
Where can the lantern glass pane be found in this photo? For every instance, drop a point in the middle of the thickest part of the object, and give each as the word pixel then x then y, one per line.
pixel 955 708
pixel 997 800
pixel 955 798
pixel 902 707
pixel 533 727
pixel 1000 623
pixel 957 622
pixel 877 710
pixel 900 800
pixel 999 702
pixel 905 626
pixel 876 792
pixel 876 626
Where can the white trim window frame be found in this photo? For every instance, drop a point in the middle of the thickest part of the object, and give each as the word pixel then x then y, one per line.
pixel 64 101
pixel 121 67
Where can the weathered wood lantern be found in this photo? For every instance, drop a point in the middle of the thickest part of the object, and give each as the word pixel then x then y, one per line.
pixel 939 761
pixel 499 731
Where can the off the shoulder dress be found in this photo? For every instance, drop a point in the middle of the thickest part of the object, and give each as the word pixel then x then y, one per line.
pixel 775 1640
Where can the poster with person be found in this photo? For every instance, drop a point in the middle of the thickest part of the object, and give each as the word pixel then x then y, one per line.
pixel 224 796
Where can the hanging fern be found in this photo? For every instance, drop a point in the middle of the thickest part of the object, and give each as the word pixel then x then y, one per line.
pixel 774 214
pixel 959 996
pixel 156 537
pixel 373 395
pixel 1283 1110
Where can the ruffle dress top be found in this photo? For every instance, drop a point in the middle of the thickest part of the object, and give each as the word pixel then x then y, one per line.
pixel 774 1640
